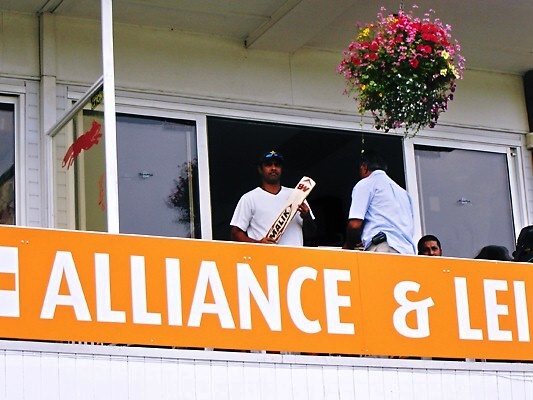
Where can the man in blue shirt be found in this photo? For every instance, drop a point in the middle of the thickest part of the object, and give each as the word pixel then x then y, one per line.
pixel 381 216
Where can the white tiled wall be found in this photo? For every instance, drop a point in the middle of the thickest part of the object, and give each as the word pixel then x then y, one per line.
pixel 72 371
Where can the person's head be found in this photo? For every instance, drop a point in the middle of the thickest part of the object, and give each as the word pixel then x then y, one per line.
pixel 494 252
pixel 269 167
pixel 524 244
pixel 429 245
pixel 369 162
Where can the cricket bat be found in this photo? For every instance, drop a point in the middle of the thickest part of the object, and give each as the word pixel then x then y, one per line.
pixel 298 195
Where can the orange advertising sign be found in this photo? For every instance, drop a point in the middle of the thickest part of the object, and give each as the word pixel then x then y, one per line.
pixel 125 289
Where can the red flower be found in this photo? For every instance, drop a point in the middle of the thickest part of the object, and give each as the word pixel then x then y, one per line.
pixel 424 48
pixel 355 60
pixel 414 62
pixel 430 37
pixel 430 32
pixel 428 28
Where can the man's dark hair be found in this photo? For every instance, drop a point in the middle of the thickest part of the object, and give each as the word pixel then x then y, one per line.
pixel 427 238
pixel 524 245
pixel 494 252
pixel 373 160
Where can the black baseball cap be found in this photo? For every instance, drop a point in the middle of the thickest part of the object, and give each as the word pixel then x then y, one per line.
pixel 270 156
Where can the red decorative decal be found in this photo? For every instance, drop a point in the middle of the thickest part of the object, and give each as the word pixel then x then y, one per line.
pixel 101 201
pixel 84 142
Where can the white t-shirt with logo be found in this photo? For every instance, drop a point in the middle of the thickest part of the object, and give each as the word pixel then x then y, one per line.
pixel 257 210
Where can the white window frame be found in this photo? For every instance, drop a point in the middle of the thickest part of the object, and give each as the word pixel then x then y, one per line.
pixel 510 144
pixel 18 101
pixel 133 105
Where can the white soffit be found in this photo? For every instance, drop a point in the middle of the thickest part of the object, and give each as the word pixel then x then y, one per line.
pixel 295 24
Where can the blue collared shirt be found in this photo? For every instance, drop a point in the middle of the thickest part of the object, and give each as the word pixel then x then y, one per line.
pixel 385 207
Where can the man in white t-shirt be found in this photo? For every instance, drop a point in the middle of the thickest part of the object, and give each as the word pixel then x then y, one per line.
pixel 381 216
pixel 257 209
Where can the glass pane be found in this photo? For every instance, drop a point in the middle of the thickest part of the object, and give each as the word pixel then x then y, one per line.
pixel 328 156
pixel 158 185
pixel 91 210
pixel 7 164
pixel 465 199
pixel 64 215
pixel 79 171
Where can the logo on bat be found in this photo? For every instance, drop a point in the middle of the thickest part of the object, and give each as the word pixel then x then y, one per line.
pixel 281 222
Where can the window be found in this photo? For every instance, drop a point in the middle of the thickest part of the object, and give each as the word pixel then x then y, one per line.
pixel 7 163
pixel 328 156
pixel 158 178
pixel 465 199
pixel 157 175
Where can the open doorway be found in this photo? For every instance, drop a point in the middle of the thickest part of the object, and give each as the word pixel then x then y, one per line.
pixel 328 156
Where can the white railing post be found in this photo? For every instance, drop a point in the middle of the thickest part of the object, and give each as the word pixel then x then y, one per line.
pixel 110 126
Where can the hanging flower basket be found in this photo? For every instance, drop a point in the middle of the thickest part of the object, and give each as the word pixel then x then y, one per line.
pixel 403 70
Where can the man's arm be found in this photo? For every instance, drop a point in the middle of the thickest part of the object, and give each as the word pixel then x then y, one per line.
pixel 238 235
pixel 309 226
pixel 353 234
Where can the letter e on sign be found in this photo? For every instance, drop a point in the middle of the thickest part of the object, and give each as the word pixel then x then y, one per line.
pixel 9 298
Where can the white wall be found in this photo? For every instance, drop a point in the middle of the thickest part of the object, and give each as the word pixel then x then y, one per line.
pixel 19 45
pixel 214 68
pixel 70 371
pixel 491 100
